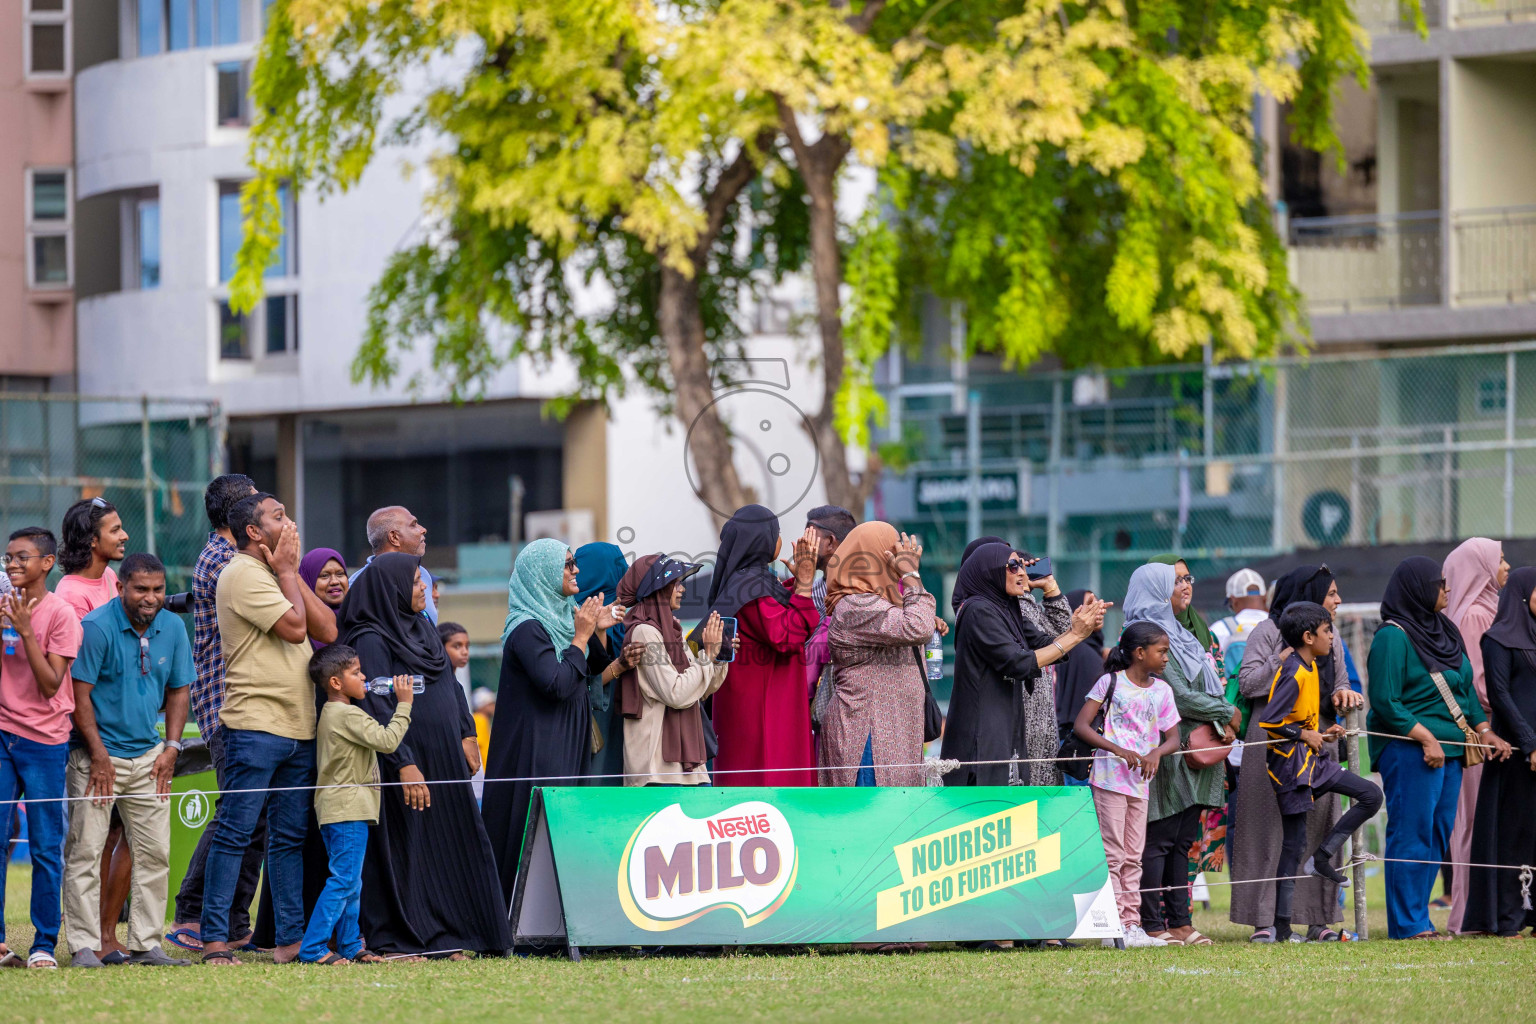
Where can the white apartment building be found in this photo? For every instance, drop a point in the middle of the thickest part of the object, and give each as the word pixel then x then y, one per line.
pixel 1428 234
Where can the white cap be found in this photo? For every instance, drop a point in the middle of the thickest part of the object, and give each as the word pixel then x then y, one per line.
pixel 481 697
pixel 1245 583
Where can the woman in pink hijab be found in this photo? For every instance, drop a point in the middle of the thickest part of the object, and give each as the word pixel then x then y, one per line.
pixel 1474 574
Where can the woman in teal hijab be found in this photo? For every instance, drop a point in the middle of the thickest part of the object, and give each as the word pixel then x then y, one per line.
pixel 600 567
pixel 543 724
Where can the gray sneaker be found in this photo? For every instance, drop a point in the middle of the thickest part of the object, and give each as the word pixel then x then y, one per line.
pixel 85 958
pixel 156 958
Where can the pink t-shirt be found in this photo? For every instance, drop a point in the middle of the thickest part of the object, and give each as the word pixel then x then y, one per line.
pixel 23 708
pixel 1135 720
pixel 84 595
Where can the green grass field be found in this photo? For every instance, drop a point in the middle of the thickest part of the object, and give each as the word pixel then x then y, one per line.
pixel 1468 979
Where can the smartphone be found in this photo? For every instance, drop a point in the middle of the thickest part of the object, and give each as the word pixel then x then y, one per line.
pixel 727 650
pixel 1040 570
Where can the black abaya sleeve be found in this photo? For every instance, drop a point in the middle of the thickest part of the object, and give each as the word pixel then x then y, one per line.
pixel 1498 668
pixel 550 676
pixel 997 648
pixel 466 717
pixel 375 657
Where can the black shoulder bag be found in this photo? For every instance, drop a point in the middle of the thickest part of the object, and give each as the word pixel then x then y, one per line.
pixel 1074 746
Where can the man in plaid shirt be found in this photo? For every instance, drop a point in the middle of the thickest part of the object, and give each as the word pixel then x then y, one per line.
pixel 207 698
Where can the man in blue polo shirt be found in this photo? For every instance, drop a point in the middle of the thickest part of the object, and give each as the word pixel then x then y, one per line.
pixel 134 660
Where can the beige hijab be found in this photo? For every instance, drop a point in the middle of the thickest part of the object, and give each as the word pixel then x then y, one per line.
pixel 860 565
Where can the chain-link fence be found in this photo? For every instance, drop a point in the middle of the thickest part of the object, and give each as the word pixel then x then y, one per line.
pixel 1223 464
pixel 152 458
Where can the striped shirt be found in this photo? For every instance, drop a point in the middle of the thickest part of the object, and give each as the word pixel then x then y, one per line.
pixel 207 694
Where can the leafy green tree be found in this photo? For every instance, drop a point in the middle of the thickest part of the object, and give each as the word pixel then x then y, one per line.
pixel 1078 176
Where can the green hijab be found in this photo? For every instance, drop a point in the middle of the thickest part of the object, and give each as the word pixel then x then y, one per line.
pixel 536 591
pixel 1189 618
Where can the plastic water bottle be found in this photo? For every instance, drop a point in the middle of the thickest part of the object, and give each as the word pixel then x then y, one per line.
pixel 12 639
pixel 385 685
pixel 933 656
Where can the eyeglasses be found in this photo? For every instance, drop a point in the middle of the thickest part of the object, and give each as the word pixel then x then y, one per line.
pixel 570 565
pixel 1443 585
pixel 1017 565
pixel 100 502
pixel 1186 578
pixel 8 560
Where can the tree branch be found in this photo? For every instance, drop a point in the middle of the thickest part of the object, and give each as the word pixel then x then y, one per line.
pixel 862 22
pixel 736 176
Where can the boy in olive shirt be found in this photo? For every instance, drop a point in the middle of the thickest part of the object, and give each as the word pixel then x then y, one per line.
pixel 349 741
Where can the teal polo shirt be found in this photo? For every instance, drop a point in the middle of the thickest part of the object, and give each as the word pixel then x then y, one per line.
pixel 130 674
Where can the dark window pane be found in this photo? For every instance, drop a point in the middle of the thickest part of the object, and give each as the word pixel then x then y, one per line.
pixel 47 49
pixel 149 243
pixel 283 263
pixel 50 259
pixel 234 334
pixel 50 196
pixel 229 228
pixel 179 24
pixel 149 27
pixel 231 110
pixel 203 21
pixel 229 22
pixel 277 324
pixel 47 5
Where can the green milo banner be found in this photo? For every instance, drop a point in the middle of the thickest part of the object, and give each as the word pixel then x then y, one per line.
pixel 606 866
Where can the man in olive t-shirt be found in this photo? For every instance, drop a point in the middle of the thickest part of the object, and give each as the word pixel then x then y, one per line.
pixel 266 617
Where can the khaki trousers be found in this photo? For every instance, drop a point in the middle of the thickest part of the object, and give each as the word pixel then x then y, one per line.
pixel 147 826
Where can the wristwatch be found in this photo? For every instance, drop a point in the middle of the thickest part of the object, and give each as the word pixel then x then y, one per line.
pixel 176 745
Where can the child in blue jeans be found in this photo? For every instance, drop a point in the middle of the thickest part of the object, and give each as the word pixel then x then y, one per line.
pixel 348 742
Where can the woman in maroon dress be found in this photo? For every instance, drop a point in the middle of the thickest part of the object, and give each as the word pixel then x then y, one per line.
pixel 761 714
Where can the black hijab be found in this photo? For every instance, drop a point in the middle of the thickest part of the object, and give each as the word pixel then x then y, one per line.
pixel 1410 602
pixel 958 597
pixel 742 573
pixel 380 603
pixel 1304 583
pixel 1514 627
pixel 984 580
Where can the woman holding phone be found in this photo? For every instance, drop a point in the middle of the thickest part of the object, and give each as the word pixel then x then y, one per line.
pixel 659 697
pixel 878 618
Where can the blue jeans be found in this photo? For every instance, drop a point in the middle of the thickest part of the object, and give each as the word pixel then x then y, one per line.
pixel 260 761
pixel 866 775
pixel 1421 810
pixel 36 771
pixel 337 908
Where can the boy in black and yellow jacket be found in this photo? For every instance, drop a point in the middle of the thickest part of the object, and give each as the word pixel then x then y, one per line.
pixel 1299 768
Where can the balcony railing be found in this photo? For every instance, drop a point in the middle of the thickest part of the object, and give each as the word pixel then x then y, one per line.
pixel 1349 264
pixel 1492 12
pixel 1495 255
pixel 1387 17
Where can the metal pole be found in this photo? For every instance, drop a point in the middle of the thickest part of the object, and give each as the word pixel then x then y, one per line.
pixel 1277 524
pixel 1053 510
pixel 973 464
pixel 1448 530
pixel 1208 407
pixel 147 468
pixel 1357 841
pixel 1509 437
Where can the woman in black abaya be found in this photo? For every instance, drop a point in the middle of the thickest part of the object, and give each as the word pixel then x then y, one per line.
pixel 429 880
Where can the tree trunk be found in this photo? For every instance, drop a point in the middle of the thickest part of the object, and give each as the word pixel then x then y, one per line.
pixel 713 473
pixel 819 166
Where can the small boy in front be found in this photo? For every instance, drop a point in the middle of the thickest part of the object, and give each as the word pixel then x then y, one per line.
pixel 1299 768
pixel 347 743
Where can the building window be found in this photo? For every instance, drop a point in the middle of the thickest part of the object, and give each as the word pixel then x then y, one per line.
pixel 272 328
pixel 179 24
pixel 233 81
pixel 48 228
pixel 234 333
pixel 47 38
pixel 146 241
pixel 275 322
pixel 282 326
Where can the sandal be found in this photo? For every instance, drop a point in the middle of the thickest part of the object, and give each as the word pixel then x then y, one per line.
pixel 366 957
pixel 1263 935
pixel 1194 938
pixel 1169 939
pixel 220 957
pixel 186 938
pixel 1322 933
pixel 1431 936
pixel 331 960
pixel 42 960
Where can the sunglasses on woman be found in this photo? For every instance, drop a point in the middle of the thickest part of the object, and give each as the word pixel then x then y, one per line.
pixel 1017 565
pixel 570 565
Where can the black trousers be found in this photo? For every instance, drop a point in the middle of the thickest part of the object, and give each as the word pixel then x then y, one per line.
pixel 189 900
pixel 1165 866
pixel 1365 800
